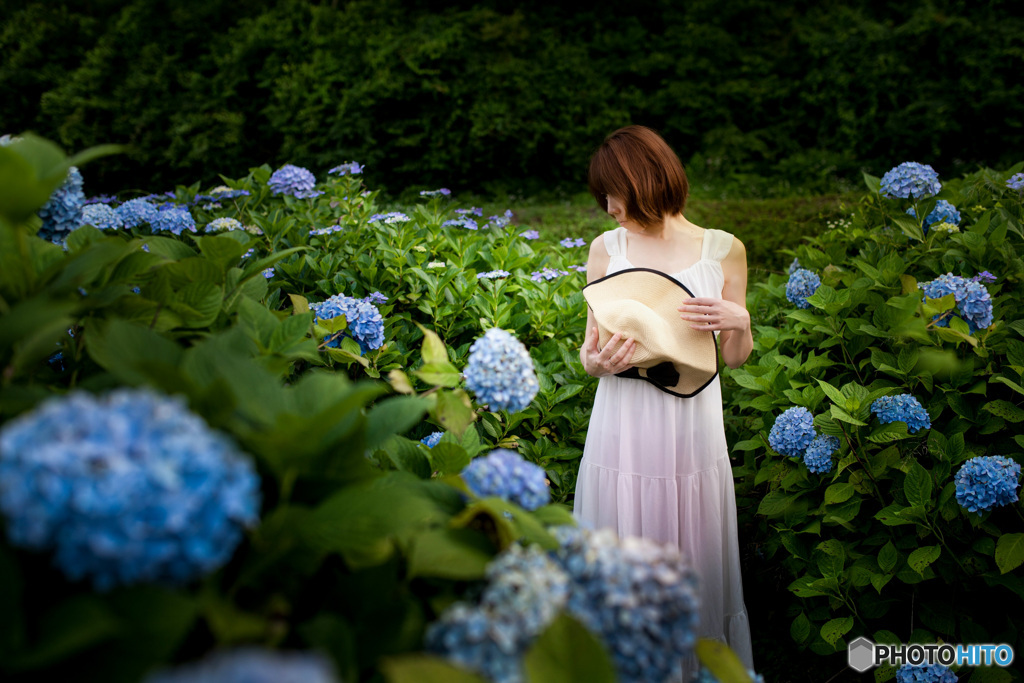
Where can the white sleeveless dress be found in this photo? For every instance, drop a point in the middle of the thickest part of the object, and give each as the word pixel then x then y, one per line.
pixel 657 466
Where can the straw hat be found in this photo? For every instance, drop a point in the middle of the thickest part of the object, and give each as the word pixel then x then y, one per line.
pixel 641 303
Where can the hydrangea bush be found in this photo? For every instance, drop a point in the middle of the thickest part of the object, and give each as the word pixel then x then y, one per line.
pixel 878 420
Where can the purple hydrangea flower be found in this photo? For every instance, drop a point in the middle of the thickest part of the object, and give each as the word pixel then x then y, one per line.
pixel 125 488
pixel 570 242
pixel 474 211
pixel 389 218
pixel 802 284
pixel 293 180
pixel 902 408
pixel 500 221
pixel 101 199
pixel 376 298
pixel 331 229
pixel 500 372
pixel 364 321
pixel 973 302
pixel 492 275
pixel 352 168
pixel 444 191
pixel 464 222
pixel 910 180
pixel 547 274
pixel 251 665
pixel 268 273
pixel 530 234
pixel 987 481
pixel 1016 182
pixel 101 216
pixel 579 269
pixel 792 432
pixel 507 475
pixel 984 276
pixel 62 213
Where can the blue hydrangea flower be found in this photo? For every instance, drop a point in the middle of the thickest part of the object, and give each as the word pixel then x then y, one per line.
pixel 944 212
pixel 444 191
pixel 7 139
pixel 268 273
pixel 464 222
pixel 910 180
pixel 101 216
pixel 509 476
pixel 579 269
pixel 525 592
pixel 500 221
pixel 984 276
pixel 174 220
pixel 925 673
pixel 251 665
pixel 364 321
pixel 389 218
pixel 818 456
pixel 902 408
pixel 218 194
pixel 987 481
pixel 293 180
pixel 640 598
pixel 792 432
pixel 432 439
pixel 125 488
pixel 376 298
pixel 135 212
pixel 101 199
pixel 973 302
pixel 223 224
pixel 570 242
pixel 62 213
pixel 474 211
pixel 705 676
pixel 530 235
pixel 547 274
pixel 1016 182
pixel 492 275
pixel 793 266
pixel 248 253
pixel 500 372
pixel 352 168
pixel 802 284
pixel 326 231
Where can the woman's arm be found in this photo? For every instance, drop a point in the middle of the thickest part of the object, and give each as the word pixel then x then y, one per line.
pixel 601 362
pixel 728 314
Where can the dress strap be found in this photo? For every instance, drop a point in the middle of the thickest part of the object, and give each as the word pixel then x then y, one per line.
pixel 611 243
pixel 717 244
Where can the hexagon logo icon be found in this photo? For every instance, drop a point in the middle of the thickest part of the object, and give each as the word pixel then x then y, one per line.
pixel 859 654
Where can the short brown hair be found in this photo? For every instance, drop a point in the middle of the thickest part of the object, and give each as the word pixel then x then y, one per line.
pixel 636 165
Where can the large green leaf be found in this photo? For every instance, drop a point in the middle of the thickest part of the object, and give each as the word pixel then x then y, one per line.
pixel 1009 552
pixel 566 652
pixel 461 554
pixel 417 668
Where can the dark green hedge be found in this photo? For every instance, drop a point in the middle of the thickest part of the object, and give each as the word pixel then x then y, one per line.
pixel 483 95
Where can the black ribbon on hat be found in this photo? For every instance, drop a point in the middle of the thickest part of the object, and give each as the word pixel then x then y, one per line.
pixel 663 374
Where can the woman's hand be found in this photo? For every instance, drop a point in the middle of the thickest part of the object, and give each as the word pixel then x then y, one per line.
pixel 707 313
pixel 602 362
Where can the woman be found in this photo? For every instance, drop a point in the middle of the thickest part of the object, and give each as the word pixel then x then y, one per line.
pixel 656 465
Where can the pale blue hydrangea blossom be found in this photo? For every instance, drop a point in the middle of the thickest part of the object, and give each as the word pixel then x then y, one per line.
pixel 509 476
pixel 902 408
pixel 570 242
pixel 793 266
pixel 987 481
pixel 802 284
pixel 352 168
pixel 135 212
pixel 547 274
pixel 375 298
pixel 530 235
pixel 944 212
pixel 500 372
pixel 223 224
pixel 492 275
pixel 463 222
pixel 125 488
pixel 251 665
pixel 329 230
pixel 101 216
pixel 910 180
pixel 364 321
pixel 389 218
pixel 174 220
pixel 268 273
pixel 973 302
pixel 818 456
pixel 444 191
pixel 640 598
pixel 792 432
pixel 432 439
pixel 62 213
pixel 925 673
pixel 1016 182
pixel 293 180
pixel 500 221
pixel 474 211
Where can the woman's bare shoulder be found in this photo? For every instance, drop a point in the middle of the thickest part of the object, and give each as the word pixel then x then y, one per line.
pixel 597 261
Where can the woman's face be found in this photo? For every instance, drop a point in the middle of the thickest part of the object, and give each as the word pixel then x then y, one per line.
pixel 616 209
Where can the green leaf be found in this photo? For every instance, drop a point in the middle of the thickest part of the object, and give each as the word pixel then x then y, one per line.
pixel 1009 552
pixel 459 554
pixel 721 661
pixel 554 514
pixel 566 652
pixel 1010 383
pixel 834 629
pixel 873 183
pixel 449 458
pixel 917 486
pixel 887 433
pixel 890 516
pixel 71 626
pixel 1006 410
pixel 408 456
pixel 453 411
pixel 838 413
pixel 434 351
pixel 923 556
pixel 442 374
pixel 418 668
pixel 837 493
pixel 800 629
pixel 393 415
pixel 776 502
pixel 887 557
pixel 834 394
pixel 909 226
